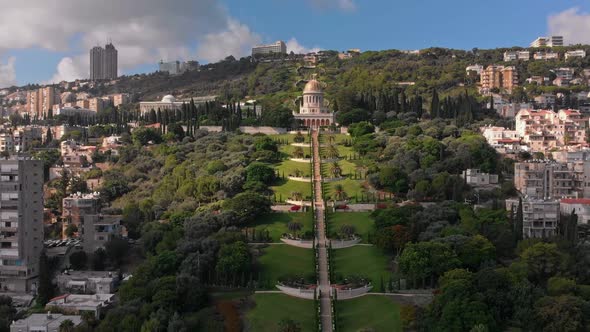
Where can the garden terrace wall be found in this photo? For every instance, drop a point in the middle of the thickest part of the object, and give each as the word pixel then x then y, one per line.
pixel 341 244
pixel 347 294
pixel 302 293
pixel 306 244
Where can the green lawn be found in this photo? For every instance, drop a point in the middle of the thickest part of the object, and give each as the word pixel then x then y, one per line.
pixel 365 261
pixel 284 260
pixel 288 168
pixel 276 223
pixel 289 149
pixel 350 187
pixel 361 221
pixel 371 313
pixel 270 309
pixel 284 188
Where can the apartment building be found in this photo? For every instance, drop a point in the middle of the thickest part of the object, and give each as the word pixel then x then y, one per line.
pixel 581 206
pixel 21 222
pixel 79 303
pixel 540 218
pixel 549 179
pixel 120 99
pixel 498 77
pixel 98 229
pixel 517 55
pixel 279 48
pixel 575 54
pixel 474 68
pixel 88 282
pixel 6 142
pixel 40 101
pixel 546 56
pixel 551 41
pixel 499 135
pixel 544 130
pixel 76 206
pixel 564 73
pixel 103 62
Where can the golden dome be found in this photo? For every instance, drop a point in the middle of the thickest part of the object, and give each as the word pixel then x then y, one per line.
pixel 313 86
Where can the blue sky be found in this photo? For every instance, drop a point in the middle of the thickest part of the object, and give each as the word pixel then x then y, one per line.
pixel 327 24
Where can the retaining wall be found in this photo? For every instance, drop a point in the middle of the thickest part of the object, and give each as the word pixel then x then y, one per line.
pixel 347 294
pixel 300 160
pixel 297 292
pixel 306 244
pixel 299 179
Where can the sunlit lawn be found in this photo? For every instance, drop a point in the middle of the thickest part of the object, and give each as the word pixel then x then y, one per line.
pixel 276 223
pixel 366 261
pixel 288 151
pixel 270 309
pixel 352 188
pixel 369 313
pixel 288 167
pixel 282 260
pixel 284 188
pixel 361 221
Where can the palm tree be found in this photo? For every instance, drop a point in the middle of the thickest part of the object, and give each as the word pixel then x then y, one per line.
pixel 299 138
pixel 336 170
pixel 296 196
pixel 298 152
pixel 331 139
pixel 332 152
pixel 297 172
pixel 294 227
pixel 66 326
pixel 339 194
pixel 347 230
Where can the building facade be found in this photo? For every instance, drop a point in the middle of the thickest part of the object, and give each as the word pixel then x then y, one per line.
pixel 545 130
pixel 98 229
pixel 548 179
pixel 278 48
pixel 21 222
pixel 498 77
pixel 540 218
pixel 313 110
pixel 49 322
pixel 476 177
pixel 551 41
pixel 40 101
pixel 581 206
pixel 103 62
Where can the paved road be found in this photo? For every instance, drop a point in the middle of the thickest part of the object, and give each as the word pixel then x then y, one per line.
pixel 325 300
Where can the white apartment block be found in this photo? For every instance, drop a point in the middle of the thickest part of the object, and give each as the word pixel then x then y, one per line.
pixel 546 56
pixel 476 177
pixel 517 55
pixel 499 135
pixel 551 41
pixel 476 68
pixel 6 142
pixel 49 322
pixel 540 218
pixel 279 47
pixel 21 222
pixel 581 206
pixel 575 54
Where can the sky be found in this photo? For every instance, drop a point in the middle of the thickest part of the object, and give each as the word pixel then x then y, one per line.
pixel 46 41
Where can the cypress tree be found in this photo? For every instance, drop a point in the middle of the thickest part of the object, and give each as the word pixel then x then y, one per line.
pixel 435 105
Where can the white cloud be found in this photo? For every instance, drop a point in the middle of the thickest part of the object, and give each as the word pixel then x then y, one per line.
pixel 237 40
pixel 71 68
pixel 7 73
pixel 572 24
pixel 345 5
pixel 143 31
pixel 294 46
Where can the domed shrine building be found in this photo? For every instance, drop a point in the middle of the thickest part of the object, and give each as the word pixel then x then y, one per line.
pixel 313 110
pixel 167 103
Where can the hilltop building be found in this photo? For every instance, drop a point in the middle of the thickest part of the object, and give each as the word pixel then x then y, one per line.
pixel 313 110
pixel 278 48
pixel 103 62
pixel 548 41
